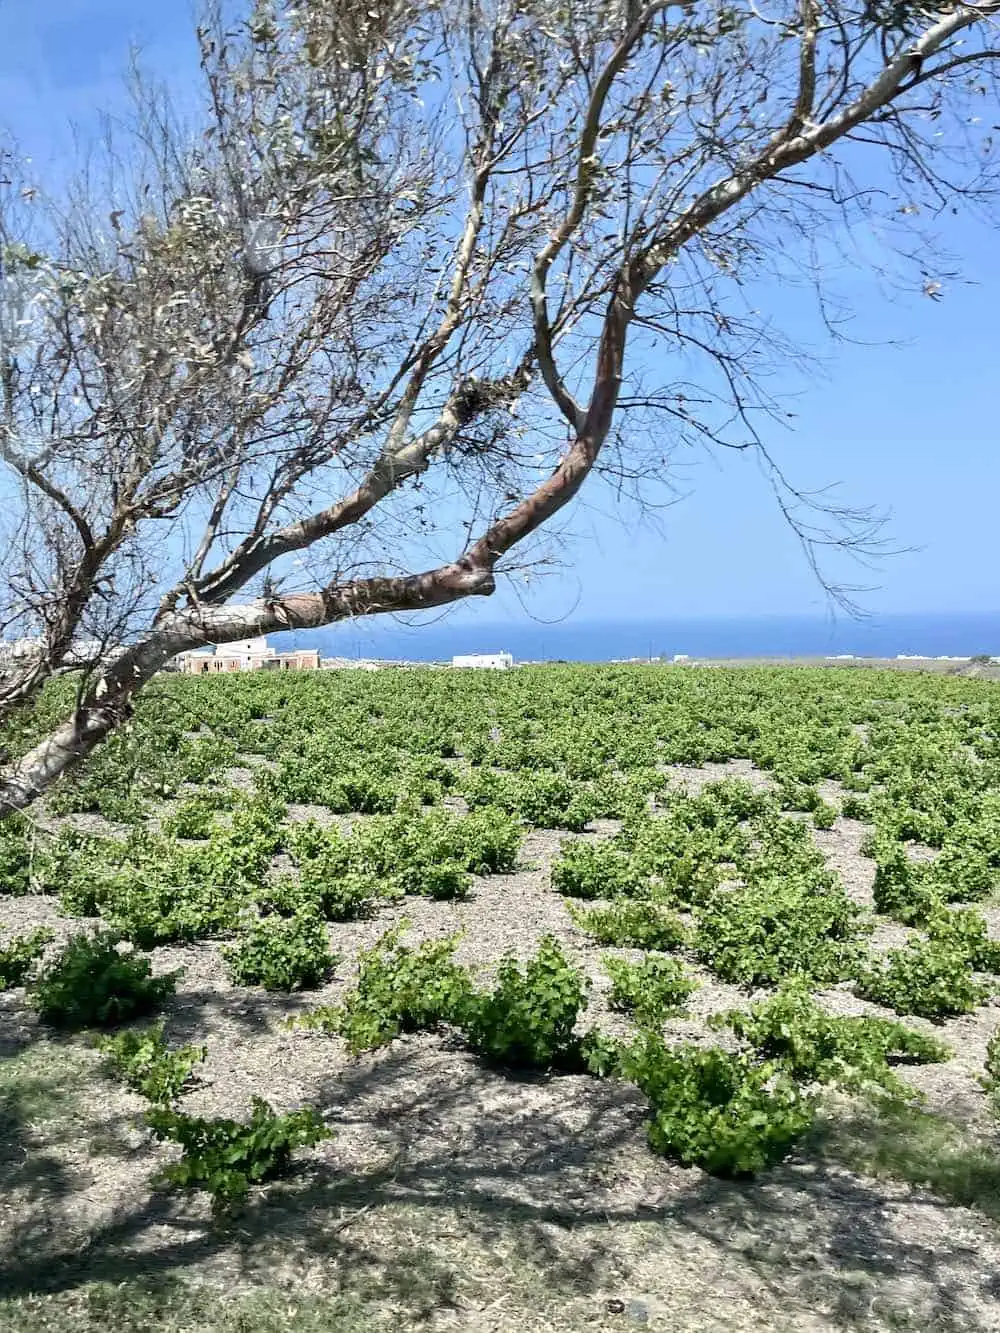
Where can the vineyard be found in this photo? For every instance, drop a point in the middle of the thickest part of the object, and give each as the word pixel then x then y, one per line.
pixel 566 997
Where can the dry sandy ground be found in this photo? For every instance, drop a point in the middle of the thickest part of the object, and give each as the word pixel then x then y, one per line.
pixel 452 1197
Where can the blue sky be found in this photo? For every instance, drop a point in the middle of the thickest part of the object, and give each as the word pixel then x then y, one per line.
pixel 908 427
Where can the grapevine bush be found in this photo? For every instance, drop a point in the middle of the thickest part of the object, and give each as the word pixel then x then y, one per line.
pixel 629 924
pixel 227 1157
pixel 143 1060
pixel 19 955
pixel 762 932
pixel 925 977
pixel 280 953
pixel 528 1019
pixel 815 1047
pixel 90 982
pixel 651 990
pixel 729 1113
pixel 399 989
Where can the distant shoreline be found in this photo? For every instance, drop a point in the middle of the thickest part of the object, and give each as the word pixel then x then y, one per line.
pixel 730 639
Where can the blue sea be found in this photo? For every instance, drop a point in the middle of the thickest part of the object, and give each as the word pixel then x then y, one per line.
pixel 926 635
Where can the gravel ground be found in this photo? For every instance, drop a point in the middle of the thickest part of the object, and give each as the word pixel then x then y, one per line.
pixel 693 779
pixel 537 1196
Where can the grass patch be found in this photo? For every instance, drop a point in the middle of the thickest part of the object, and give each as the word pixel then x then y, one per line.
pixel 925 1150
pixel 396 1267
pixel 42 1085
pixel 138 1306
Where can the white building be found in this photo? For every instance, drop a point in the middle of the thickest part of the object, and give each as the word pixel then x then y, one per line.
pixel 484 661
pixel 247 651
pixel 254 654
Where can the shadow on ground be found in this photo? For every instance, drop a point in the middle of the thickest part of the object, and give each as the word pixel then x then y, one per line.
pixel 449 1190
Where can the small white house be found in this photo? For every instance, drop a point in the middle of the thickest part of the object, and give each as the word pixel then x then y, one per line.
pixel 254 654
pixel 248 651
pixel 484 661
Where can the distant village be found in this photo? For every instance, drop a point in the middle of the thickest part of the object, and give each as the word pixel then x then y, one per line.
pixel 258 655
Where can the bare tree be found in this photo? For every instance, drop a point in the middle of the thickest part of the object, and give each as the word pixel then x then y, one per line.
pixel 378 306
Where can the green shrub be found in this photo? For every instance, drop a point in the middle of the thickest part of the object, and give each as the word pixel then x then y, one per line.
pixel 624 796
pixel 340 896
pixel 901 888
pixel 66 868
pixel 148 907
pixel 783 848
pixel 594 870
pixel 600 1054
pixel 194 818
pixel 18 956
pixel 280 953
pixel 217 798
pixel 731 799
pixel 286 895
pixel 91 983
pixel 816 1047
pixel 981 830
pixel 631 924
pixel 652 989
pixel 350 898
pixel 730 1114
pixel 963 930
pixel 961 874
pixel 824 815
pixel 204 759
pixel 155 890
pixel 873 839
pixel 16 845
pixel 528 1019
pixel 105 785
pixel 341 782
pixel 399 989
pixel 226 1157
pixel 309 842
pixel 489 842
pixel 909 824
pixel 926 977
pixel 854 781
pixel 445 881
pixel 144 1062
pixel 856 807
pixel 365 791
pixel 759 933
pixel 432 853
pixel 678 855
pixel 795 795
pixel 539 797
pixel 327 878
